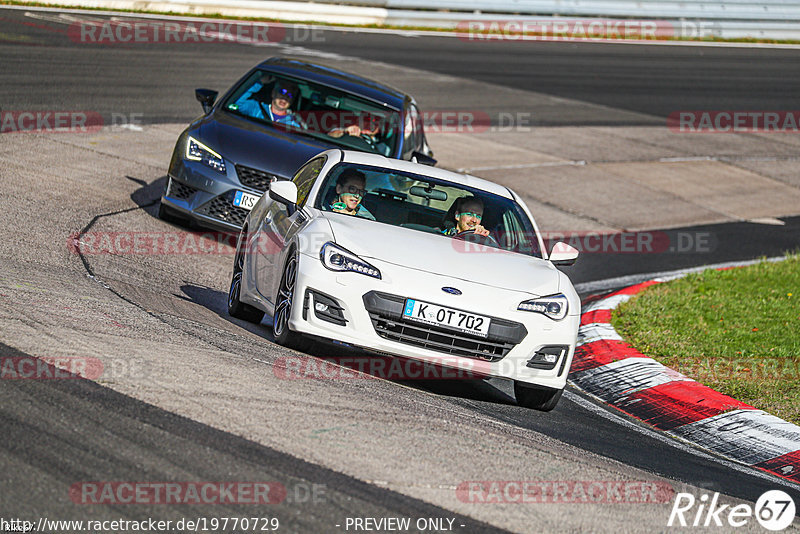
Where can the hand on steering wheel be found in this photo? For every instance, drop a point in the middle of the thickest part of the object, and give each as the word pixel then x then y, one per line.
pixel 472 237
pixel 353 130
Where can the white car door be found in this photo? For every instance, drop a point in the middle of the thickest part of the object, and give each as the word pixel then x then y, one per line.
pixel 276 229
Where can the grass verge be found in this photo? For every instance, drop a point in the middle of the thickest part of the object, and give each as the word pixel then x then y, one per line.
pixel 737 331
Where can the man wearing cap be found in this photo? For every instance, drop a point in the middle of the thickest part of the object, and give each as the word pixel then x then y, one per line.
pixel 282 97
pixel 278 110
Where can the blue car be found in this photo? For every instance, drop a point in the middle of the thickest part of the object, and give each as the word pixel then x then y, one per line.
pixel 278 116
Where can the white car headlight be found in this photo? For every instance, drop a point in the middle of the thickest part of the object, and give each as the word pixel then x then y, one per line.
pixel 197 151
pixel 554 307
pixel 336 258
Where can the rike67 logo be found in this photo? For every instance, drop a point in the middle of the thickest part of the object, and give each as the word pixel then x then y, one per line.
pixel 774 510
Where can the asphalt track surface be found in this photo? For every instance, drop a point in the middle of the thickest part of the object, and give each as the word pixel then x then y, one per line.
pixel 146 78
pixel 42 69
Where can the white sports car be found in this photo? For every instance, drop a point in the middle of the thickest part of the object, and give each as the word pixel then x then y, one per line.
pixel 412 261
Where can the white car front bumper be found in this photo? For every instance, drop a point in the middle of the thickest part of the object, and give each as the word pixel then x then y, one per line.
pixel 358 327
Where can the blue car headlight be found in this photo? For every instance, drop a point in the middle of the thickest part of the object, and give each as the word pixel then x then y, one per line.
pixel 555 307
pixel 337 258
pixel 197 151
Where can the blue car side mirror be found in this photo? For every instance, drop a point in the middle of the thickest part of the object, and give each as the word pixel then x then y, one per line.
pixel 206 97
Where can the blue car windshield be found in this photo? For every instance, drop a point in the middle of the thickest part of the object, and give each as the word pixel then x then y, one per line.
pixel 426 204
pixel 318 111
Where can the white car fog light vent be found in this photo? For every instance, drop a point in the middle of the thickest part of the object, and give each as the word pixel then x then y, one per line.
pixel 548 356
pixel 325 307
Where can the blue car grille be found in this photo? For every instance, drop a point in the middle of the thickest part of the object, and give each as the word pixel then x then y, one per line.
pixel 179 190
pixel 254 178
pixel 223 209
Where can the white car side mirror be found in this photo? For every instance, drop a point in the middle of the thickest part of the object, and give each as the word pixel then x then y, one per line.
pixel 563 254
pixel 283 191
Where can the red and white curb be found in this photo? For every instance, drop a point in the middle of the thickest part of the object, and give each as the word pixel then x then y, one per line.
pixel 610 369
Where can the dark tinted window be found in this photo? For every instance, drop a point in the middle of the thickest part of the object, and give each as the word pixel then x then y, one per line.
pixel 305 178
pixel 318 111
pixel 426 204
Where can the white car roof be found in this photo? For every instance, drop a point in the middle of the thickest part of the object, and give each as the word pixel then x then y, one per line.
pixel 376 160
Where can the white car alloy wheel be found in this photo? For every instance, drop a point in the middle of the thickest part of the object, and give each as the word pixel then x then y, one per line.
pixel 283 308
pixel 236 308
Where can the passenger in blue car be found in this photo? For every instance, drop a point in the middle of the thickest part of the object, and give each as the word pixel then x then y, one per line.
pixel 278 110
pixel 350 189
pixel 369 131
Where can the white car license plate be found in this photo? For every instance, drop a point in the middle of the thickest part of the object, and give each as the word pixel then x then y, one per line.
pixel 434 314
pixel 245 200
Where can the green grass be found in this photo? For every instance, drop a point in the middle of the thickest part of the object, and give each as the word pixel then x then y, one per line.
pixel 737 331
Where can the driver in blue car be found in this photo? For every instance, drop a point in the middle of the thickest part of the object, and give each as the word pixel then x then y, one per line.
pixel 350 189
pixel 278 110
pixel 468 215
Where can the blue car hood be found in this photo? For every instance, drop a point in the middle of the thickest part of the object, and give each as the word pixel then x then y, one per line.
pixel 247 143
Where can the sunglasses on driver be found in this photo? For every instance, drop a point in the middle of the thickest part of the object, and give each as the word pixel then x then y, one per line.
pixel 353 190
pixel 470 214
pixel 284 93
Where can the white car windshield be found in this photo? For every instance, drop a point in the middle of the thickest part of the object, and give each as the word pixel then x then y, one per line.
pixel 426 204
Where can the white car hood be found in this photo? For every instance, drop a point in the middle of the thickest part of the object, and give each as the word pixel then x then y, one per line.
pixel 443 255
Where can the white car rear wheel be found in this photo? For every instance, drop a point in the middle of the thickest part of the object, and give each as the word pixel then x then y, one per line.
pixel 236 308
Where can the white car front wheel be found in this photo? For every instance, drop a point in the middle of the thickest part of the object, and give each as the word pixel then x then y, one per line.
pixel 542 399
pixel 283 308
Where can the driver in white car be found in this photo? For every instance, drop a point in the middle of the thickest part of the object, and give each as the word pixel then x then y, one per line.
pixel 350 189
pixel 468 215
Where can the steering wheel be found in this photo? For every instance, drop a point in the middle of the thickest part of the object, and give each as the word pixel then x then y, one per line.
pixel 368 140
pixel 357 142
pixel 471 237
